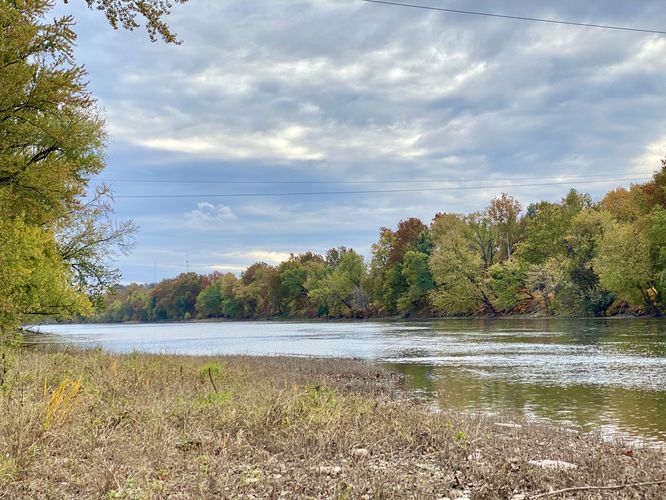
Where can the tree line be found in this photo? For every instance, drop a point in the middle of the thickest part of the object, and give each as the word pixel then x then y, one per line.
pixel 573 258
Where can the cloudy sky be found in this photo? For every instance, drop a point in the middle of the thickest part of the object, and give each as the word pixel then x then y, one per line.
pixel 273 98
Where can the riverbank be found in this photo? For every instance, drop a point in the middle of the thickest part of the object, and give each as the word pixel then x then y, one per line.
pixel 34 327
pixel 94 424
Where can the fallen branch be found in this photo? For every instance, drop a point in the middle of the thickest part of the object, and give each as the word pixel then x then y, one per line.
pixel 596 488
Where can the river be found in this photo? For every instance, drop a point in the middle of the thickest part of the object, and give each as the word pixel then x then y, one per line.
pixel 599 375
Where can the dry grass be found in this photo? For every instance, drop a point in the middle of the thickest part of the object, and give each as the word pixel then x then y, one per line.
pixel 146 426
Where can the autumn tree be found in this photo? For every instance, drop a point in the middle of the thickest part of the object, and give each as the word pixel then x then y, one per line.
pixel 625 205
pixel 458 269
pixel 546 226
pixel 176 298
pixel 339 292
pixel 218 299
pixel 632 261
pixel 466 268
pixel 132 14
pixel 51 142
pixel 259 291
pixel 293 275
pixel 34 281
pixel 386 266
pixel 503 211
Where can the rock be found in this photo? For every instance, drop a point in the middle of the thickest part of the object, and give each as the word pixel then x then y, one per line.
pixel 552 464
pixel 360 453
pixel 508 425
pixel 330 471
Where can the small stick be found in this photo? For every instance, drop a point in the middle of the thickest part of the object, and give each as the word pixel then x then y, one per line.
pixel 3 372
pixel 210 376
pixel 597 488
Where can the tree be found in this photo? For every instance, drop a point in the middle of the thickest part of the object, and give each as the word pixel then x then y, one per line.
pixel 52 136
pixel 546 226
pixel 33 278
pixel 631 261
pixel 460 263
pixel 209 301
pixel 294 273
pixel 580 292
pixel 503 211
pixel 259 291
pixel 625 205
pixel 483 237
pixel 124 13
pixel 408 235
pixel 89 240
pixel 51 142
pixel 339 292
pixel 416 273
pixel 388 282
pixel 176 298
pixel 655 190
pixel 507 282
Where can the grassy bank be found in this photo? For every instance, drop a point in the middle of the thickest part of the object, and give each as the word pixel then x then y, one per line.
pixel 93 424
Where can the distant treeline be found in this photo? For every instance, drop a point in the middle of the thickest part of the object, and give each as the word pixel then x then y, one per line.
pixel 573 258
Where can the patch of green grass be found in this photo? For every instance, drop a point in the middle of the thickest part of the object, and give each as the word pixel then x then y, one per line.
pixel 216 370
pixel 214 399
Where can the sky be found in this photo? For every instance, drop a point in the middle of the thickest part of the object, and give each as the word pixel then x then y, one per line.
pixel 439 111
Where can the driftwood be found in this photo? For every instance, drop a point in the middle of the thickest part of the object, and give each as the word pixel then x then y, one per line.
pixel 596 488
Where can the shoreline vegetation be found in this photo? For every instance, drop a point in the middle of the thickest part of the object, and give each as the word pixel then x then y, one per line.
pixel 87 423
pixel 287 319
pixel 575 258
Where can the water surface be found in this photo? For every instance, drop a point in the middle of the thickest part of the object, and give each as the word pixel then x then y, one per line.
pixel 605 375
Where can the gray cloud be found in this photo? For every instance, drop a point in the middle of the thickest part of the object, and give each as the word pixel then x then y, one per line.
pixel 342 90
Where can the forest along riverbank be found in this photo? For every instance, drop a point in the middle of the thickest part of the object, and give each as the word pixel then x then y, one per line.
pixel 91 423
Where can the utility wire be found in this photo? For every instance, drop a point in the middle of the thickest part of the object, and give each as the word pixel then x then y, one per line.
pixel 380 181
pixel 517 18
pixel 371 191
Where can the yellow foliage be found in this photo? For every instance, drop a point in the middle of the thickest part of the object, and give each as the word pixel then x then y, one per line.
pixel 61 402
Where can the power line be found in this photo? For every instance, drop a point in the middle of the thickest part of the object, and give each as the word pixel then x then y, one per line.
pixel 371 191
pixel 380 181
pixel 516 18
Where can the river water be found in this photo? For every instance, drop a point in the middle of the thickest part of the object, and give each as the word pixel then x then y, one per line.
pixel 595 375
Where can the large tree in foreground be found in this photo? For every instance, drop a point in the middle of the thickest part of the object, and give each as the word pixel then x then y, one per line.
pixel 56 245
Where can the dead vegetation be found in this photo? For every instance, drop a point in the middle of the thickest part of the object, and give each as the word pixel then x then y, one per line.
pixel 88 424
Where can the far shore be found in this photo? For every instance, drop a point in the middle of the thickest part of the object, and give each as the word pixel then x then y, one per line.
pixel 281 319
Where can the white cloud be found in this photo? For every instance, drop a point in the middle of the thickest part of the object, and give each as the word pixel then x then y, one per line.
pixel 251 256
pixel 207 215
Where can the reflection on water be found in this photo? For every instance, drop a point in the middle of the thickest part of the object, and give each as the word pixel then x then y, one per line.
pixel 608 375
pixel 634 413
